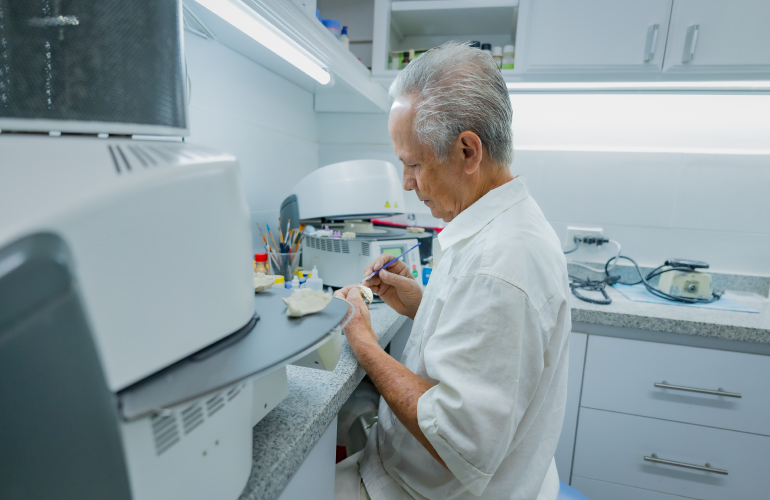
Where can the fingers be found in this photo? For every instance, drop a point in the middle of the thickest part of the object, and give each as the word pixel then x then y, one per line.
pixel 397 267
pixel 354 297
pixel 393 279
pixel 342 293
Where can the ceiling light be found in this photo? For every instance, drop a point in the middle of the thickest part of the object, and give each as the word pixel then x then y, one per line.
pixel 258 28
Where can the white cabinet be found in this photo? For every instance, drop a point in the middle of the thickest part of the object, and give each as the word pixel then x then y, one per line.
pixel 679 459
pixel 563 455
pixel 721 389
pixel 714 36
pixel 604 490
pixel 401 26
pixel 626 36
pixel 703 413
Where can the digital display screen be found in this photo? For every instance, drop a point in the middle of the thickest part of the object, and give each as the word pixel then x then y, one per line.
pixel 395 251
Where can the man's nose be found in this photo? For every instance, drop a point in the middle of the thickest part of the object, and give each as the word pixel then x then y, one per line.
pixel 409 181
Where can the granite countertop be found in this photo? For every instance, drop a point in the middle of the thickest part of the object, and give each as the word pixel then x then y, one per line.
pixel 686 320
pixel 286 435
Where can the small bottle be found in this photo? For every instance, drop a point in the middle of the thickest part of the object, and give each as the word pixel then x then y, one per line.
pixel 475 44
pixel 280 282
pixel 487 47
pixel 333 26
pixel 260 263
pixel 405 60
pixel 508 57
pixel 294 283
pixel 497 55
pixel 314 282
pixel 344 40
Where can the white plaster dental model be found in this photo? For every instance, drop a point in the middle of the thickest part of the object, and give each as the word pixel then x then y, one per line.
pixel 305 301
pixel 263 282
pixel 366 294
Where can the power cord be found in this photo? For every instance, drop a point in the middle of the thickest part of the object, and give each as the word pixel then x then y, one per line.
pixel 589 285
pixel 600 285
pixel 673 266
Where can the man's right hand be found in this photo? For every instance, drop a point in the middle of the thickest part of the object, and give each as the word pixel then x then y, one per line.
pixel 395 285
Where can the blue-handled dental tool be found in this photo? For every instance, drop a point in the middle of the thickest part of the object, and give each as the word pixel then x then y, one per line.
pixel 389 263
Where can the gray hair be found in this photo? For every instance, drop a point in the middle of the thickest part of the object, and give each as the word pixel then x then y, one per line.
pixel 456 88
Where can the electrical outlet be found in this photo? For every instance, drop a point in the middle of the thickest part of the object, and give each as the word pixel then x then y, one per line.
pixel 582 232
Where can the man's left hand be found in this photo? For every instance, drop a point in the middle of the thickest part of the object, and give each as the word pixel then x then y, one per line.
pixel 359 329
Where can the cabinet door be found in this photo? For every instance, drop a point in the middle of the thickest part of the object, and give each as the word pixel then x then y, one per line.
pixel 594 36
pixel 719 37
pixel 678 459
pixel 563 455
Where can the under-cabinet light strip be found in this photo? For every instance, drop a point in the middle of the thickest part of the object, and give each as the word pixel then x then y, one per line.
pixel 642 149
pixel 735 85
pixel 258 28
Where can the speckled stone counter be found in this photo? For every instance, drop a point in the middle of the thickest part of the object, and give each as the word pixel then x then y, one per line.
pixel 286 435
pixel 725 325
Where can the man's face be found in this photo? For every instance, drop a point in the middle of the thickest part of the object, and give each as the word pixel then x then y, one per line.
pixel 436 184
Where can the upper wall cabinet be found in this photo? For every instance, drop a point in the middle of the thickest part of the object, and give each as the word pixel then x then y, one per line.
pixel 590 36
pixel 413 26
pixel 592 45
pixel 718 37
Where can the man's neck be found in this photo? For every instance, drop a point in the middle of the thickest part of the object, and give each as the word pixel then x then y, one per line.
pixel 492 180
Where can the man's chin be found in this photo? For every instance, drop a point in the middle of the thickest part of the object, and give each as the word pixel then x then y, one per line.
pixel 439 215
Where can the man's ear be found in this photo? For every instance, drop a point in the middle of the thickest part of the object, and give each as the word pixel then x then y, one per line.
pixel 470 146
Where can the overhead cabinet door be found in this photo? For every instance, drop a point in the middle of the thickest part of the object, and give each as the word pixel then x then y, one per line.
pixel 596 36
pixel 715 36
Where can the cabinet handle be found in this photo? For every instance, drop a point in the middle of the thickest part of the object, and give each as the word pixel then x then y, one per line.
pixel 651 43
pixel 705 468
pixel 718 392
pixel 690 42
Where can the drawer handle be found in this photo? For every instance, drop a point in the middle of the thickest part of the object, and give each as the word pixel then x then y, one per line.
pixel 705 468
pixel 718 392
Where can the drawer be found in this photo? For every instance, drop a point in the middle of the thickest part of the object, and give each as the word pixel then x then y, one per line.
pixel 602 490
pixel 612 447
pixel 620 375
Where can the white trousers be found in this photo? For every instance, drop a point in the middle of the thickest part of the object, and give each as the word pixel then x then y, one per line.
pixel 348 484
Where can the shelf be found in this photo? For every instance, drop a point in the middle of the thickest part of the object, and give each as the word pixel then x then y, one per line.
pixel 386 77
pixel 453 17
pixel 352 88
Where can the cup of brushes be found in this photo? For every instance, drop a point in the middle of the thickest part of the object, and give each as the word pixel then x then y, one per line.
pixel 284 252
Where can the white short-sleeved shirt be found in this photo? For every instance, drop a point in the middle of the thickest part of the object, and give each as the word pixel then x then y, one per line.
pixel 492 333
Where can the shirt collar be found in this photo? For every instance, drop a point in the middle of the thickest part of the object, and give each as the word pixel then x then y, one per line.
pixel 471 220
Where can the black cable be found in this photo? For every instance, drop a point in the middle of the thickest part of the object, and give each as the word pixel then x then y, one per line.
pixel 657 272
pixel 591 286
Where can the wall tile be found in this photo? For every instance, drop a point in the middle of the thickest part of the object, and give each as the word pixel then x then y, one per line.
pixel 724 192
pixel 605 188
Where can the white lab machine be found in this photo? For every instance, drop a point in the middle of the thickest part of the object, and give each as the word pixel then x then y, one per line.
pixel 135 358
pixel 346 197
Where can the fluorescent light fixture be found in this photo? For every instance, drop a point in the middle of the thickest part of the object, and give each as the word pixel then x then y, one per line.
pixel 258 28
pixel 631 149
pixel 736 85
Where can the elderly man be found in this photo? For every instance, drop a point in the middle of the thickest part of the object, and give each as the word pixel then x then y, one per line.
pixel 475 407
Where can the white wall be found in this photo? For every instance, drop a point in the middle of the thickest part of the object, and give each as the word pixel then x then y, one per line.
pixel 666 175
pixel 267 122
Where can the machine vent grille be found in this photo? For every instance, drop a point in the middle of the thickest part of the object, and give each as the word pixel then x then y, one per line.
pixel 165 432
pixel 330 245
pixel 192 417
pixel 127 158
pixel 215 404
pixel 233 392
pixel 365 249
